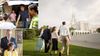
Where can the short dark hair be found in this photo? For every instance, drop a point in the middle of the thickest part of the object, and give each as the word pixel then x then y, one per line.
pixel 22 5
pixel 63 22
pixel 33 7
pixel 5 17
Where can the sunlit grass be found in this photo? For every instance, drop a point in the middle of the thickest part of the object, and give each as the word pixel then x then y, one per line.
pixel 29 46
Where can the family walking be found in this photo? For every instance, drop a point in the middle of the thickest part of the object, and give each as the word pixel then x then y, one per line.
pixel 51 37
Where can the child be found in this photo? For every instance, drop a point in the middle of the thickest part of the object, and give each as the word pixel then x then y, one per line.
pixel 10 50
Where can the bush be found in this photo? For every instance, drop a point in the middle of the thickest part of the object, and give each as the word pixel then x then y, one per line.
pixel 30 33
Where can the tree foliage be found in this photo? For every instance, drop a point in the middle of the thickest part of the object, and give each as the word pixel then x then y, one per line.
pixel 30 33
pixel 98 30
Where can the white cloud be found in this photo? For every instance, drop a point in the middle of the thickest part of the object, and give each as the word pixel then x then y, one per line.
pixel 53 12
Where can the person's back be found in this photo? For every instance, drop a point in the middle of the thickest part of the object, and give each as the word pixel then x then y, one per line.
pixel 63 30
pixel 47 38
pixel 65 36
pixel 54 35
pixel 47 34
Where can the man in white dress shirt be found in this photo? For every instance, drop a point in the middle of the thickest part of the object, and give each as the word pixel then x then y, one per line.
pixel 65 37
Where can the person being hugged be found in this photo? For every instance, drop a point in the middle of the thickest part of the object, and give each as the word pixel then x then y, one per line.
pixel 10 51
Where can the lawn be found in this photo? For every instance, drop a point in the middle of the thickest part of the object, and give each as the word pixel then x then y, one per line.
pixel 29 45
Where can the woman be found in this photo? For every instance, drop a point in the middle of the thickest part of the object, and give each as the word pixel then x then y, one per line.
pixel 10 50
pixel 13 17
pixel 33 11
pixel 54 39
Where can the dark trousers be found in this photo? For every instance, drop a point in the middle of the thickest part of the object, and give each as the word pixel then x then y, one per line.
pixel 54 44
pixel 24 24
pixel 47 46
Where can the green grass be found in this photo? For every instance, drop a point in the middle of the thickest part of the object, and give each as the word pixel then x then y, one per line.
pixel 29 45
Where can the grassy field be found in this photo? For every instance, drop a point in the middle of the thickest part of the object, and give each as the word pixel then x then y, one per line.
pixel 29 45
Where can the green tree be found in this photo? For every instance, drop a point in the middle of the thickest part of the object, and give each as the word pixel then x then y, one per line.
pixel 71 29
pixel 98 30
pixel 30 33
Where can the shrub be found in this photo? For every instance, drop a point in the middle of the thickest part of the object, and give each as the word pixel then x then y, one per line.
pixel 30 33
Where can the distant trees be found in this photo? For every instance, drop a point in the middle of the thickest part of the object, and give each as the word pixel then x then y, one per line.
pixel 71 29
pixel 98 30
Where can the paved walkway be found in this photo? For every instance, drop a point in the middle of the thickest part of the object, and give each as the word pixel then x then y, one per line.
pixel 88 40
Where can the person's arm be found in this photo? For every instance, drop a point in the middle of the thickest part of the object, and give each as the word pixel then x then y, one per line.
pixel 57 35
pixel 30 27
pixel 18 20
pixel 41 33
pixel 15 17
pixel 69 36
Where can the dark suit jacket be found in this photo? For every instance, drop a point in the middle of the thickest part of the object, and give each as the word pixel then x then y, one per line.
pixel 46 34
pixel 4 42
